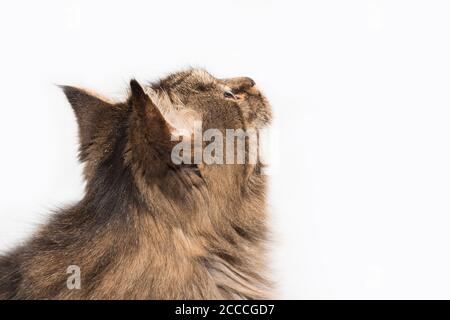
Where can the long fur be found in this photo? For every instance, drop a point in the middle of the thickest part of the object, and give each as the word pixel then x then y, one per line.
pixel 146 228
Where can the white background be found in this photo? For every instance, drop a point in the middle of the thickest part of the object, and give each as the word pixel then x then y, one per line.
pixel 360 90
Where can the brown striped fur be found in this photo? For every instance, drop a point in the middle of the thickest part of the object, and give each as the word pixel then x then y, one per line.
pixel 146 228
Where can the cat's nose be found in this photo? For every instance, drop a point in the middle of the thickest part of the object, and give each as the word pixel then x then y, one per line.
pixel 240 84
pixel 248 82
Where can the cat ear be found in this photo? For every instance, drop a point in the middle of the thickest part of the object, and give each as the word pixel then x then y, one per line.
pixel 91 111
pixel 150 134
pixel 148 117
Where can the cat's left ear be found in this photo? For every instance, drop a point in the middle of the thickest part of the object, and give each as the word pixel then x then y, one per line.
pixel 91 111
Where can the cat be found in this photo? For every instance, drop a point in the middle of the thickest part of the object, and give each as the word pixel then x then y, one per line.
pixel 147 228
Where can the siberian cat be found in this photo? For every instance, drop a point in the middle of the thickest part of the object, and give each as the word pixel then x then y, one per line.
pixel 149 228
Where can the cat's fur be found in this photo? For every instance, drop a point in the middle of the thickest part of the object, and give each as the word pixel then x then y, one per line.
pixel 147 228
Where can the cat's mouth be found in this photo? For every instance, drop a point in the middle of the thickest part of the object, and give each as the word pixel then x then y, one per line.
pixel 257 108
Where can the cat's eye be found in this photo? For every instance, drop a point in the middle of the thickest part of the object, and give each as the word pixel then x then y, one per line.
pixel 229 94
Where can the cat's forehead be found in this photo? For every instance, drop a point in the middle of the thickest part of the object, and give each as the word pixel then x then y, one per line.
pixel 192 77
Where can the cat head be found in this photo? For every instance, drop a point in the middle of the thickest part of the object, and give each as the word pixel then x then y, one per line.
pixel 150 139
